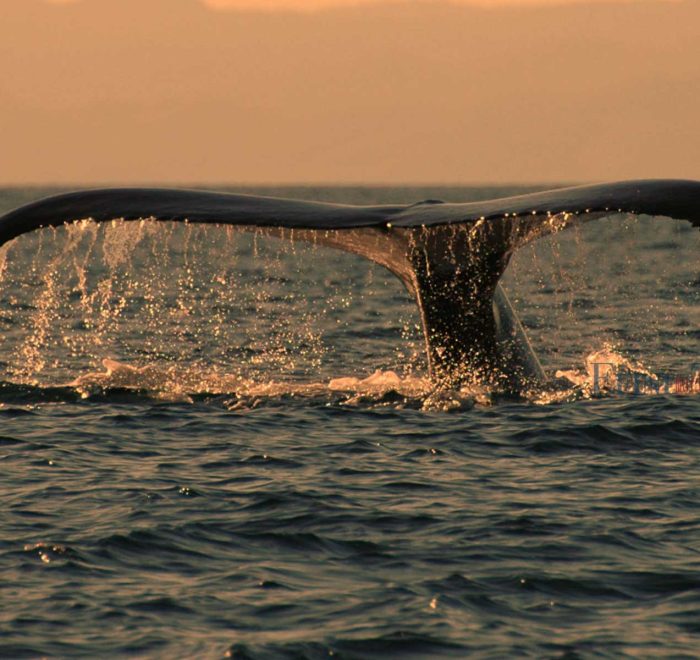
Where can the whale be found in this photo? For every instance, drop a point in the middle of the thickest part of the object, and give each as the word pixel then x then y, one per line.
pixel 449 256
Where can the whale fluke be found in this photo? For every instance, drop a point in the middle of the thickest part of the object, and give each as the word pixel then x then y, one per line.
pixel 449 256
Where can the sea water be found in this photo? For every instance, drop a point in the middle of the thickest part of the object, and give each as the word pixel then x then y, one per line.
pixel 218 444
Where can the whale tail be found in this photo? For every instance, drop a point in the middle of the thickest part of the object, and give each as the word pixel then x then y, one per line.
pixel 450 257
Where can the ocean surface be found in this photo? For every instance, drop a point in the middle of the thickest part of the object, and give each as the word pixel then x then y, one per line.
pixel 216 444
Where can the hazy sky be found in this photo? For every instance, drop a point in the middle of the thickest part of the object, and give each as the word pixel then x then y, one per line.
pixel 319 4
pixel 117 91
pixel 312 5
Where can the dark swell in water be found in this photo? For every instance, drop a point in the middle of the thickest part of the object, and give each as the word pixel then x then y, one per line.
pixel 188 530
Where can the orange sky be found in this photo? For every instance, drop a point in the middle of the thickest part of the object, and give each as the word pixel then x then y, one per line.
pixel 314 5
pixel 321 4
pixel 135 91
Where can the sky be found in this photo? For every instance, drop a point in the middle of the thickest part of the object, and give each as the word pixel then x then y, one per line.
pixel 311 5
pixel 172 91
pixel 314 5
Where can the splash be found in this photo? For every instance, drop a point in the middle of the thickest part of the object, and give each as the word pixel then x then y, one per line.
pixel 179 312
pixel 607 372
pixel 381 389
pixel 176 384
pixel 197 298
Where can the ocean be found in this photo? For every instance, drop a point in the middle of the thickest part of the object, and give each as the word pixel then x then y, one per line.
pixel 219 444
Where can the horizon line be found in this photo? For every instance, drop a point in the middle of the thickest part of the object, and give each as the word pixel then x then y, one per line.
pixel 307 184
